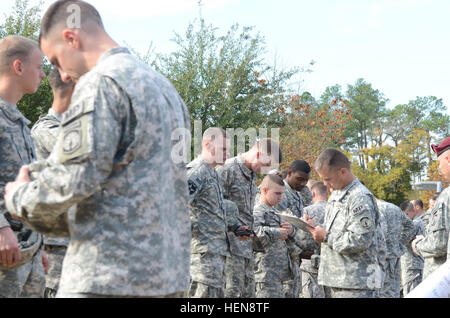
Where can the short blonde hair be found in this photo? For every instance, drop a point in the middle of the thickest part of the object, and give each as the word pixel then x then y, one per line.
pixel 15 47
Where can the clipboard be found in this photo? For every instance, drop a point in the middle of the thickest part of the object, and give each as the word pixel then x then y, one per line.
pixel 295 221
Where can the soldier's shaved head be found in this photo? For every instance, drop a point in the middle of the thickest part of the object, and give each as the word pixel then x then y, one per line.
pixel 270 148
pixel 272 179
pixel 333 159
pixel 211 134
pixel 15 47
pixel 67 14
pixel 320 189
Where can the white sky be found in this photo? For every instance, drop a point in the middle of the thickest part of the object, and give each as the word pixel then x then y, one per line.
pixel 401 47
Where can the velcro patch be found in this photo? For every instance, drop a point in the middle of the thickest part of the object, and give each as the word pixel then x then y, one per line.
pixel 366 223
pixel 74 140
pixel 194 185
pixel 358 210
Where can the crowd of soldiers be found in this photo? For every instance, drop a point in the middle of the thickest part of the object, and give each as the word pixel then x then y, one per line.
pixel 93 203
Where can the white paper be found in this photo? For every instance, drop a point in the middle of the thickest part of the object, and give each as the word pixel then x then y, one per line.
pixel 436 285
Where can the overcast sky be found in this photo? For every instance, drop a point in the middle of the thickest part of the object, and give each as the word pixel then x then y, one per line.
pixel 401 47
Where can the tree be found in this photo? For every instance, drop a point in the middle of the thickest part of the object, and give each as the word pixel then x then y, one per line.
pixel 224 80
pixel 25 20
pixel 367 106
pixel 309 127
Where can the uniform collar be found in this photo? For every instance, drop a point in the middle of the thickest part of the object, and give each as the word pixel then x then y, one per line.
pixel 12 112
pixel 113 51
pixel 337 195
pixel 288 187
pixel 52 112
pixel 245 170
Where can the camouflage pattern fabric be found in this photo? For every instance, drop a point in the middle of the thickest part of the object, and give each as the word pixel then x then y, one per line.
pixel 273 266
pixel 207 275
pixel 293 201
pixel 45 133
pixel 399 233
pixel 412 264
pixel 238 185
pixel 16 150
pixel 433 248
pixel 307 196
pixel 310 286
pixel 130 234
pixel 240 277
pixel 349 254
pixel 332 292
pixel 208 219
pixel 55 255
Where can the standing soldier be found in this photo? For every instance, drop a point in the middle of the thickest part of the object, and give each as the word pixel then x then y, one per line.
pixel 20 73
pixel 237 178
pixel 412 264
pixel 130 234
pixel 307 196
pixel 433 247
pixel 310 267
pixel 399 233
pixel 45 133
pixel 209 245
pixel 425 216
pixel 296 179
pixel 349 266
pixel 273 263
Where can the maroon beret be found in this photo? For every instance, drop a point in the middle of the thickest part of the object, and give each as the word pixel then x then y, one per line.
pixel 443 146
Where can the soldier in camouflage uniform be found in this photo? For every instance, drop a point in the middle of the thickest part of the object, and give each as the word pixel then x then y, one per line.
pixel 412 264
pixel 209 245
pixel 20 73
pixel 349 266
pixel 433 247
pixel 400 232
pixel 45 133
pixel 425 216
pixel 309 267
pixel 307 196
pixel 273 265
pixel 237 177
pixel 296 179
pixel 130 234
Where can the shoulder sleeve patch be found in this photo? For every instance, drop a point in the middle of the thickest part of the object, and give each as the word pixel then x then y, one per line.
pixel 194 185
pixel 74 141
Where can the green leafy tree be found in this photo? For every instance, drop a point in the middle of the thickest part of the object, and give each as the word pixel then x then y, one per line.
pixel 224 79
pixel 24 19
pixel 367 106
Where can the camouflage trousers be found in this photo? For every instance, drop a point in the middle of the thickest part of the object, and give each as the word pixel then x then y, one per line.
pixel 207 275
pixel 86 295
pixel 293 288
pixel 240 277
pixel 26 281
pixel 332 292
pixel 55 257
pixel 269 290
pixel 392 281
pixel 413 279
pixel 310 286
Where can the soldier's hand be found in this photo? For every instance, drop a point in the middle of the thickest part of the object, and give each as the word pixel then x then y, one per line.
pixel 413 243
pixel 244 238
pixel 284 233
pixel 318 233
pixel 308 220
pixel 9 247
pixel 45 262
pixel 288 227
